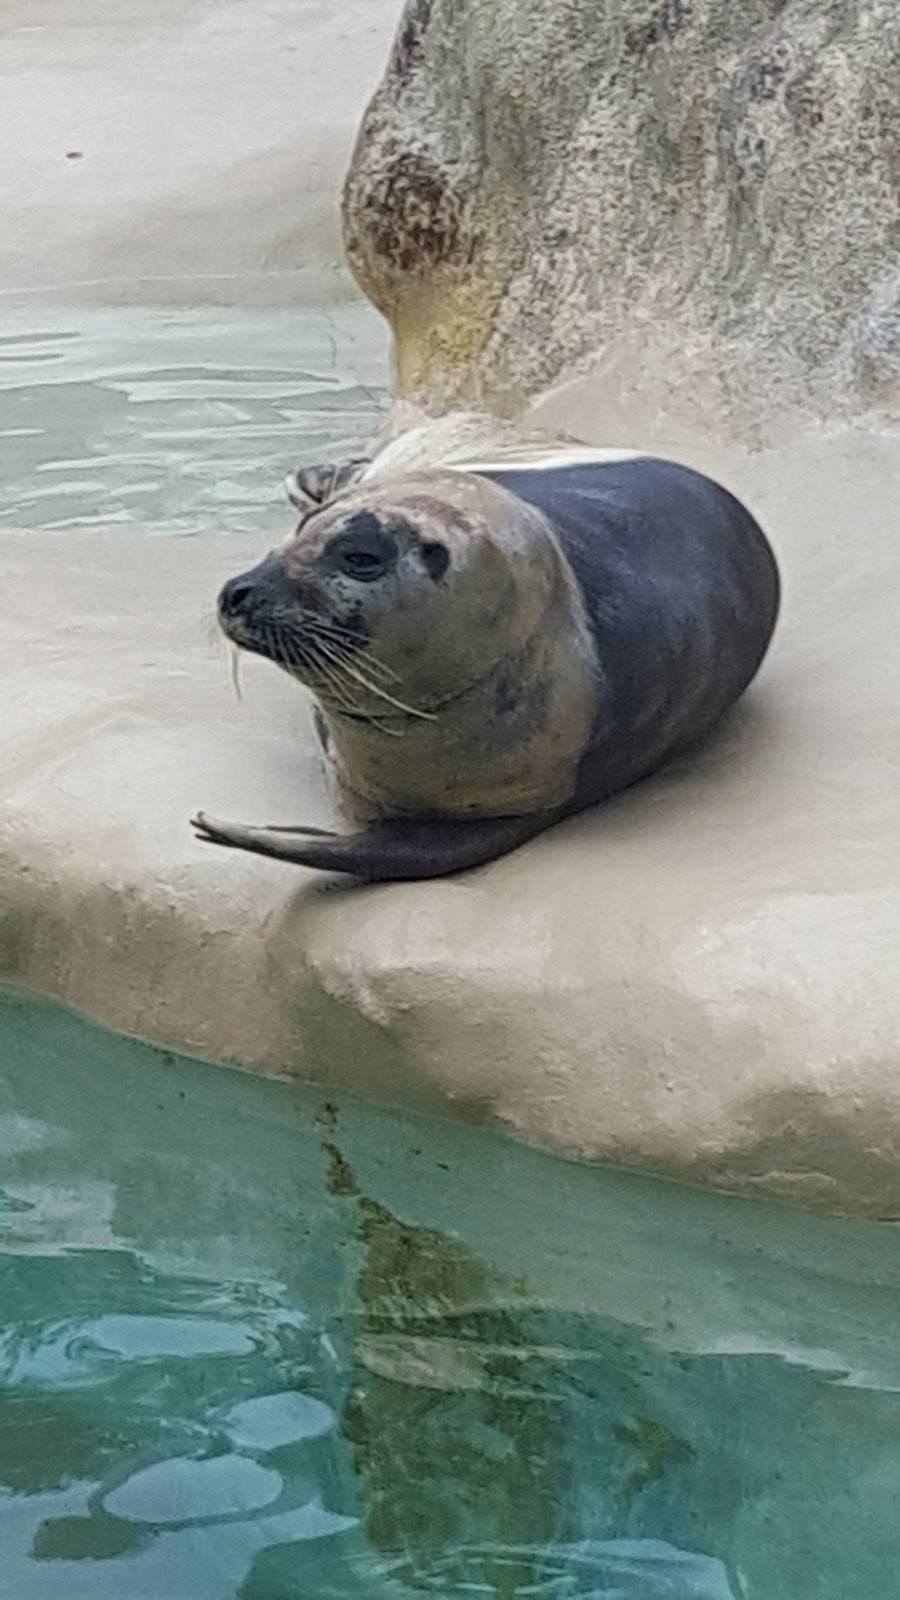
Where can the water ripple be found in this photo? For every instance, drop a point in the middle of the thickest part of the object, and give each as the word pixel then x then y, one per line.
pixel 178 423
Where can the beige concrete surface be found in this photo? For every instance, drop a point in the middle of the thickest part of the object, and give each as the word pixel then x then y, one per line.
pixel 700 979
pixel 195 140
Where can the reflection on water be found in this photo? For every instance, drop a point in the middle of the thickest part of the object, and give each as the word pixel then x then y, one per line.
pixel 258 1346
pixel 122 1431
pixel 177 421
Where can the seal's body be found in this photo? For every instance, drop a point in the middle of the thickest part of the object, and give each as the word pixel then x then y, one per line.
pixel 681 590
pixel 496 644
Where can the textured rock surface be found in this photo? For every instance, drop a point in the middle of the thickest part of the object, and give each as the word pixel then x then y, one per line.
pixel 700 979
pixel 699 198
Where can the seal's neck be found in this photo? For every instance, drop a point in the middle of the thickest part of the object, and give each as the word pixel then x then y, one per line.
pixel 508 743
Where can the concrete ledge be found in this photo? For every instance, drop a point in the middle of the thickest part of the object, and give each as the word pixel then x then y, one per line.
pixel 700 979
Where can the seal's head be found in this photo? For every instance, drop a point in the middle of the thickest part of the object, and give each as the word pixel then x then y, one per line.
pixel 400 594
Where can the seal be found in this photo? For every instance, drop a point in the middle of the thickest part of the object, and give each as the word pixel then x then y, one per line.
pixel 494 644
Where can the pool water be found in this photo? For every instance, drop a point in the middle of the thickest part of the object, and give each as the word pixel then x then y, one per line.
pixel 260 1343
pixel 178 421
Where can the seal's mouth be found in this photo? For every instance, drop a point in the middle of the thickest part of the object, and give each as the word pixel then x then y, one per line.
pixel 332 658
pixel 261 612
pixel 255 634
pixel 242 637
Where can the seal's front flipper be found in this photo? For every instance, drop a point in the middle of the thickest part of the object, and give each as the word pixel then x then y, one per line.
pixel 402 848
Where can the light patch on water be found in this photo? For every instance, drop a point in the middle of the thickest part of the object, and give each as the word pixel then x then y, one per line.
pixel 47 1217
pixel 274 1420
pixel 187 1491
pixel 612 1569
pixel 141 1337
pixel 22 1133
pixel 175 421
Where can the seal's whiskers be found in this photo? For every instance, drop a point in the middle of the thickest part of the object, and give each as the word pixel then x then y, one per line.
pixel 236 670
pixel 299 658
pixel 331 688
pixel 345 668
pixel 341 638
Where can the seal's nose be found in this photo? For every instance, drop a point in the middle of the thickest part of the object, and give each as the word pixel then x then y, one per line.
pixel 234 596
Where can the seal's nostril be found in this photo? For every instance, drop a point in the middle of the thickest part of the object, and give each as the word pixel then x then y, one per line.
pixel 234 596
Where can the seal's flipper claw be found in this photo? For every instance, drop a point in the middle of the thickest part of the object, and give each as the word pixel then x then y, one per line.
pixel 243 835
pixel 213 831
pixel 282 843
pixel 401 848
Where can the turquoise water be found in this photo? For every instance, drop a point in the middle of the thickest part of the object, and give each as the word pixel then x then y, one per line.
pixel 177 421
pixel 264 1344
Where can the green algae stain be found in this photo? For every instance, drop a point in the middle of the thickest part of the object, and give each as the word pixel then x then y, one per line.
pixel 658 1448
pixel 339 1177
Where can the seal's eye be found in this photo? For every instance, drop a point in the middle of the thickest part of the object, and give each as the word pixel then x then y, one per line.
pixel 362 563
pixel 363 550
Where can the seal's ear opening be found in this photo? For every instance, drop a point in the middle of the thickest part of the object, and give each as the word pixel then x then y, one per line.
pixel 436 557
